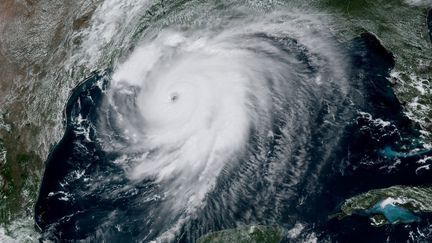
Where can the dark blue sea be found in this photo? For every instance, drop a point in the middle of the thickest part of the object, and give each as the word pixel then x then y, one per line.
pixel 87 196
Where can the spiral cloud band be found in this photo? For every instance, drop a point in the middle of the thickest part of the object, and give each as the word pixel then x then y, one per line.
pixel 189 104
pixel 223 115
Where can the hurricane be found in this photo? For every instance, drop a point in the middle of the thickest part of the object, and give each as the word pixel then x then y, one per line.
pixel 185 106
pixel 212 118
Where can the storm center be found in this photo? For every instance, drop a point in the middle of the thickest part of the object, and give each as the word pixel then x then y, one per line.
pixel 174 97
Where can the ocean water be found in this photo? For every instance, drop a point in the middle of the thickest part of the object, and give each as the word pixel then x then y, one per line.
pixel 255 115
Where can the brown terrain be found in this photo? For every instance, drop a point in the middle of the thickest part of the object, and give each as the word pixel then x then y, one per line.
pixel 32 36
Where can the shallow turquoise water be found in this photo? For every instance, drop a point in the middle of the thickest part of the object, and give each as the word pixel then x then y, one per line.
pixel 393 213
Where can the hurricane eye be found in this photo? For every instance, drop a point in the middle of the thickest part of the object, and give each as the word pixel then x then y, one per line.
pixel 174 97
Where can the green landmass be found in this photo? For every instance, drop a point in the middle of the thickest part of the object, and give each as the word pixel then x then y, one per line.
pixel 247 234
pixel 415 199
